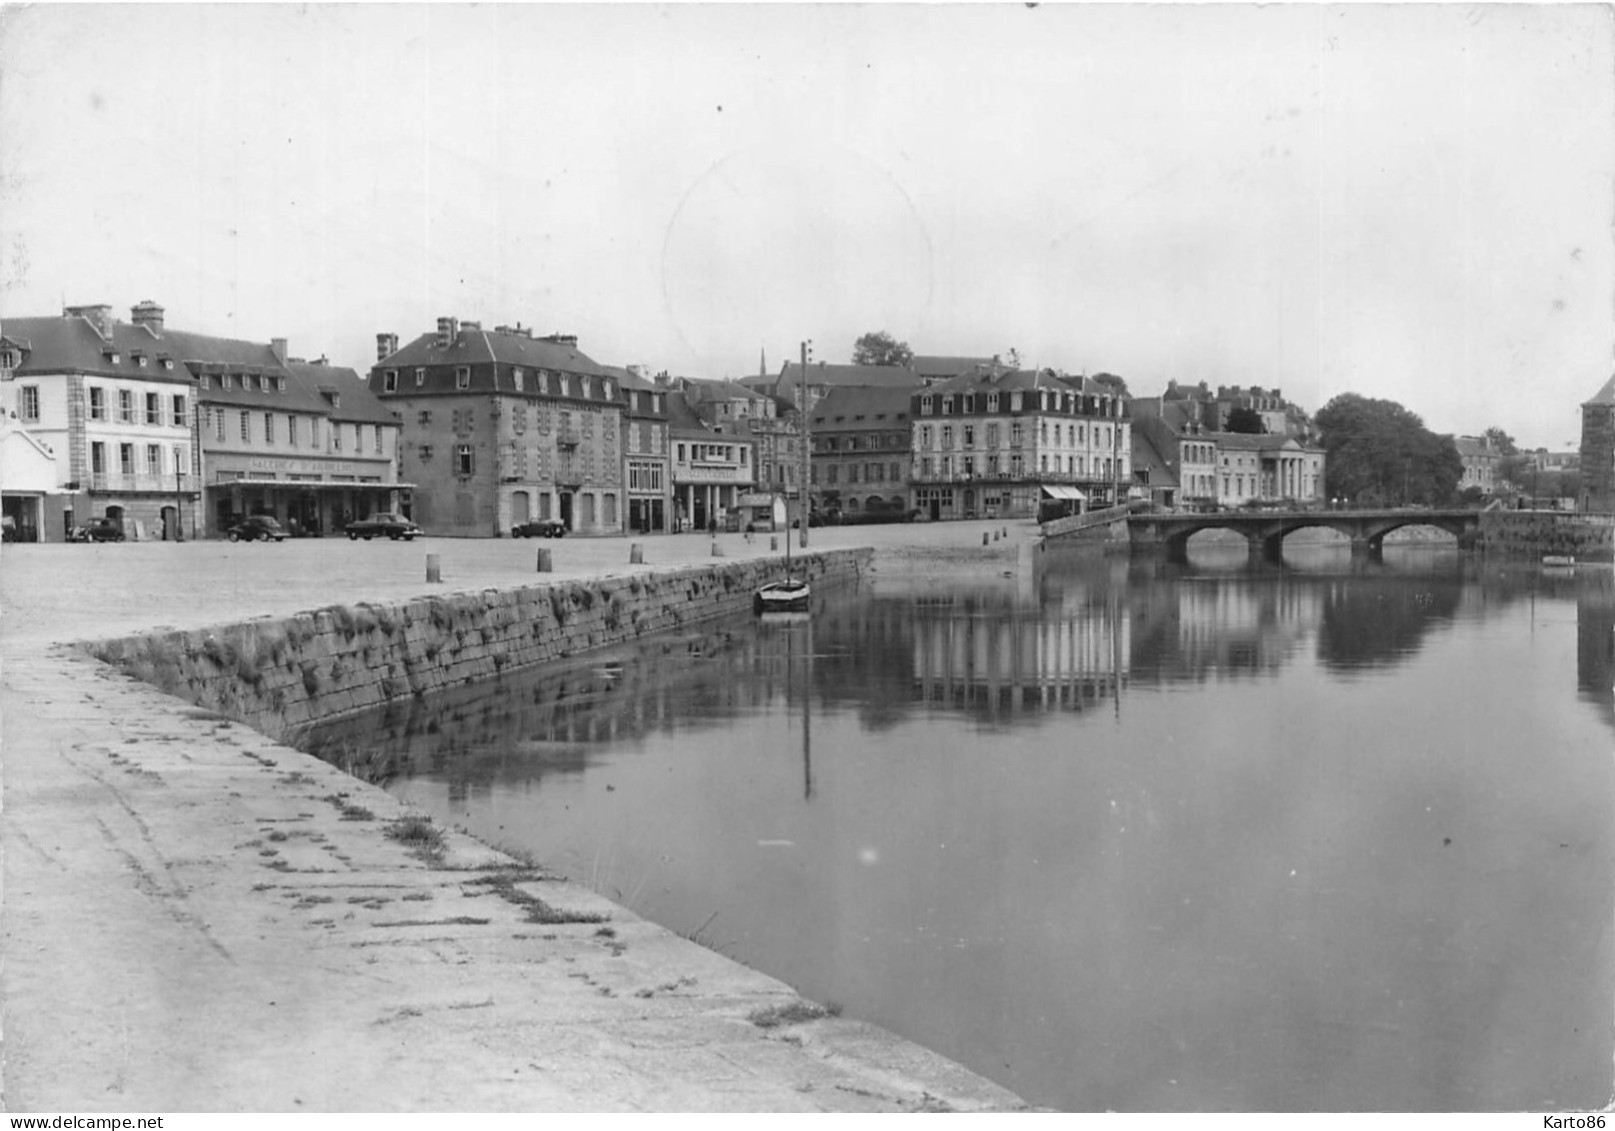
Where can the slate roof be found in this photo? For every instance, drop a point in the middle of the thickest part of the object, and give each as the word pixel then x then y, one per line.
pixel 856 376
pixel 69 344
pixel 933 367
pixel 1604 396
pixel 479 346
pixel 357 405
pixel 863 410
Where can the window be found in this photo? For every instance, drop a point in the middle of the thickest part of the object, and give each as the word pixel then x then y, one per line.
pixel 178 406
pixel 852 473
pixel 681 453
pixel 269 428
pixel 1016 434
pixel 291 429
pixel 463 461
pixel 420 377
pixel 970 435
pixel 947 435
pixel 246 426
pixel 154 459
pixel 98 403
pixel 336 436
pixel 154 413
pixel 98 458
pixel 925 406
pixel 425 451
pixel 1015 402
pixel 218 424
pixel 425 417
pixel 992 402
pixel 389 381
pixel 518 378
pixel 566 385
pixel 925 436
pixel 378 440
pixel 227 381
pixel 947 405
pixel 28 403
pixel 126 406
pixel 831 473
pixel 462 376
pixel 126 458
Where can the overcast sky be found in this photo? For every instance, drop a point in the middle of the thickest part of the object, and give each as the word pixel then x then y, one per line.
pixel 1405 202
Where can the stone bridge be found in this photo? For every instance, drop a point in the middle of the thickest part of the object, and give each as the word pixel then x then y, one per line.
pixel 1265 531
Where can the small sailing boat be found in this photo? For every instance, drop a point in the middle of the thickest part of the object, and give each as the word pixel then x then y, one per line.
pixel 789 595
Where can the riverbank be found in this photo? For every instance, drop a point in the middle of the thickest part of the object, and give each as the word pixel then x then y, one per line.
pixel 198 918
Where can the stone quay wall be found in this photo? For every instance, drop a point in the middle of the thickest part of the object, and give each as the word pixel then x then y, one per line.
pixel 1585 537
pixel 279 675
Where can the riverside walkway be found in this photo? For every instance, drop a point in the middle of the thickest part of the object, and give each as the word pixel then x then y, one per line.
pixel 195 918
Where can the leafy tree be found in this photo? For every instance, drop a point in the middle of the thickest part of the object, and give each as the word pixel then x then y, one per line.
pixel 1117 384
pixel 1243 419
pixel 1380 454
pixel 879 348
pixel 1501 440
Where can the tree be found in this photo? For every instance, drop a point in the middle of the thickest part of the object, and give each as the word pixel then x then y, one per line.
pixel 1501 440
pixel 1116 384
pixel 1243 419
pixel 879 348
pixel 1380 454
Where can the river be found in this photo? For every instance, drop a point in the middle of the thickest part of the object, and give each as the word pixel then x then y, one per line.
pixel 1325 836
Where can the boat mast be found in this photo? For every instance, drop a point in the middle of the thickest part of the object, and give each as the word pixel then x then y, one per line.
pixel 806 408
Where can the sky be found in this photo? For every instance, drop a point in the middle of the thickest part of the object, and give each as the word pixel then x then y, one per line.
pixel 1401 201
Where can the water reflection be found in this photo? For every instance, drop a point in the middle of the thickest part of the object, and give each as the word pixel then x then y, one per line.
pixel 1121 836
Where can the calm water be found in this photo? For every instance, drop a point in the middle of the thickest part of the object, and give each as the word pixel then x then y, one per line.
pixel 1215 837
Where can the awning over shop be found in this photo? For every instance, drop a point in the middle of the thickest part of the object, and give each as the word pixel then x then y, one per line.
pixel 1061 491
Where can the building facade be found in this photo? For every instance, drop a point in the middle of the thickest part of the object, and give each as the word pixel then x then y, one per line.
pixel 1597 451
pixel 712 471
pixel 110 404
pixel 862 450
pixel 999 443
pixel 648 469
pixel 500 427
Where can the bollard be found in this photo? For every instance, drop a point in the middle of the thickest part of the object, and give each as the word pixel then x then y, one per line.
pixel 1004 531
pixel 984 538
pixel 636 553
pixel 434 568
pixel 773 543
pixel 717 550
pixel 995 536
pixel 545 565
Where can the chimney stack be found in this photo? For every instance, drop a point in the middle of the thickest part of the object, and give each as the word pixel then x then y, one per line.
pixel 561 340
pixel 277 346
pixel 447 328
pixel 147 314
pixel 386 345
pixel 99 316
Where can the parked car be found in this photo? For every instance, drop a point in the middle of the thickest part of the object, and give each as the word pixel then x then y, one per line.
pixel 394 526
pixel 539 528
pixel 256 528
pixel 97 530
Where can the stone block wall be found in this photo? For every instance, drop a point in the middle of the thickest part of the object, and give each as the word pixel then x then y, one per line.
pixel 279 675
pixel 1532 534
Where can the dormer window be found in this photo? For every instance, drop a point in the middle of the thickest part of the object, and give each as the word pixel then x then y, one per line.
pixel 925 406
pixel 168 363
pixel 519 378
pixel 280 384
pixel 389 381
pixel 10 359
pixel 227 381
pixel 462 376
pixel 140 359
pixel 420 377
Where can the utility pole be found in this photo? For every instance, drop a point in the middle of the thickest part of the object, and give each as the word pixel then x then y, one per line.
pixel 806 408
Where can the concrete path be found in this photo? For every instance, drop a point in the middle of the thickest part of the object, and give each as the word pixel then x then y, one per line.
pixel 195 918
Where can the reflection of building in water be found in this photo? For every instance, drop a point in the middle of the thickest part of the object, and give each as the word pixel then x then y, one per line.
pixel 1187 631
pixel 1003 660
pixel 1595 640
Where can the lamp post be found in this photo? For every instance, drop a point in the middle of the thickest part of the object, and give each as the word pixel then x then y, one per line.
pixel 179 503
pixel 807 445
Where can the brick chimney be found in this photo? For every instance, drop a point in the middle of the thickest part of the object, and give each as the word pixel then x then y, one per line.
pixel 277 346
pixel 147 314
pixel 99 316
pixel 447 328
pixel 386 346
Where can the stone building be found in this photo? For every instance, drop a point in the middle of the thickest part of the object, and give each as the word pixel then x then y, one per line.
pixel 111 403
pixel 1000 442
pixel 1598 451
pixel 648 471
pixel 863 445
pixel 500 427
pixel 713 471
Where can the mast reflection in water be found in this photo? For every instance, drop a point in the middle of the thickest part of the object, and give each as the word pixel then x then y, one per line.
pixel 1327 836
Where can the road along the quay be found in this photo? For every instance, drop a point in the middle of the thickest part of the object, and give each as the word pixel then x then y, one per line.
pixel 195 918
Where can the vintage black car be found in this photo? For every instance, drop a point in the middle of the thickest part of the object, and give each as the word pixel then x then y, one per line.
pixel 97 530
pixel 539 528
pixel 256 528
pixel 394 526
